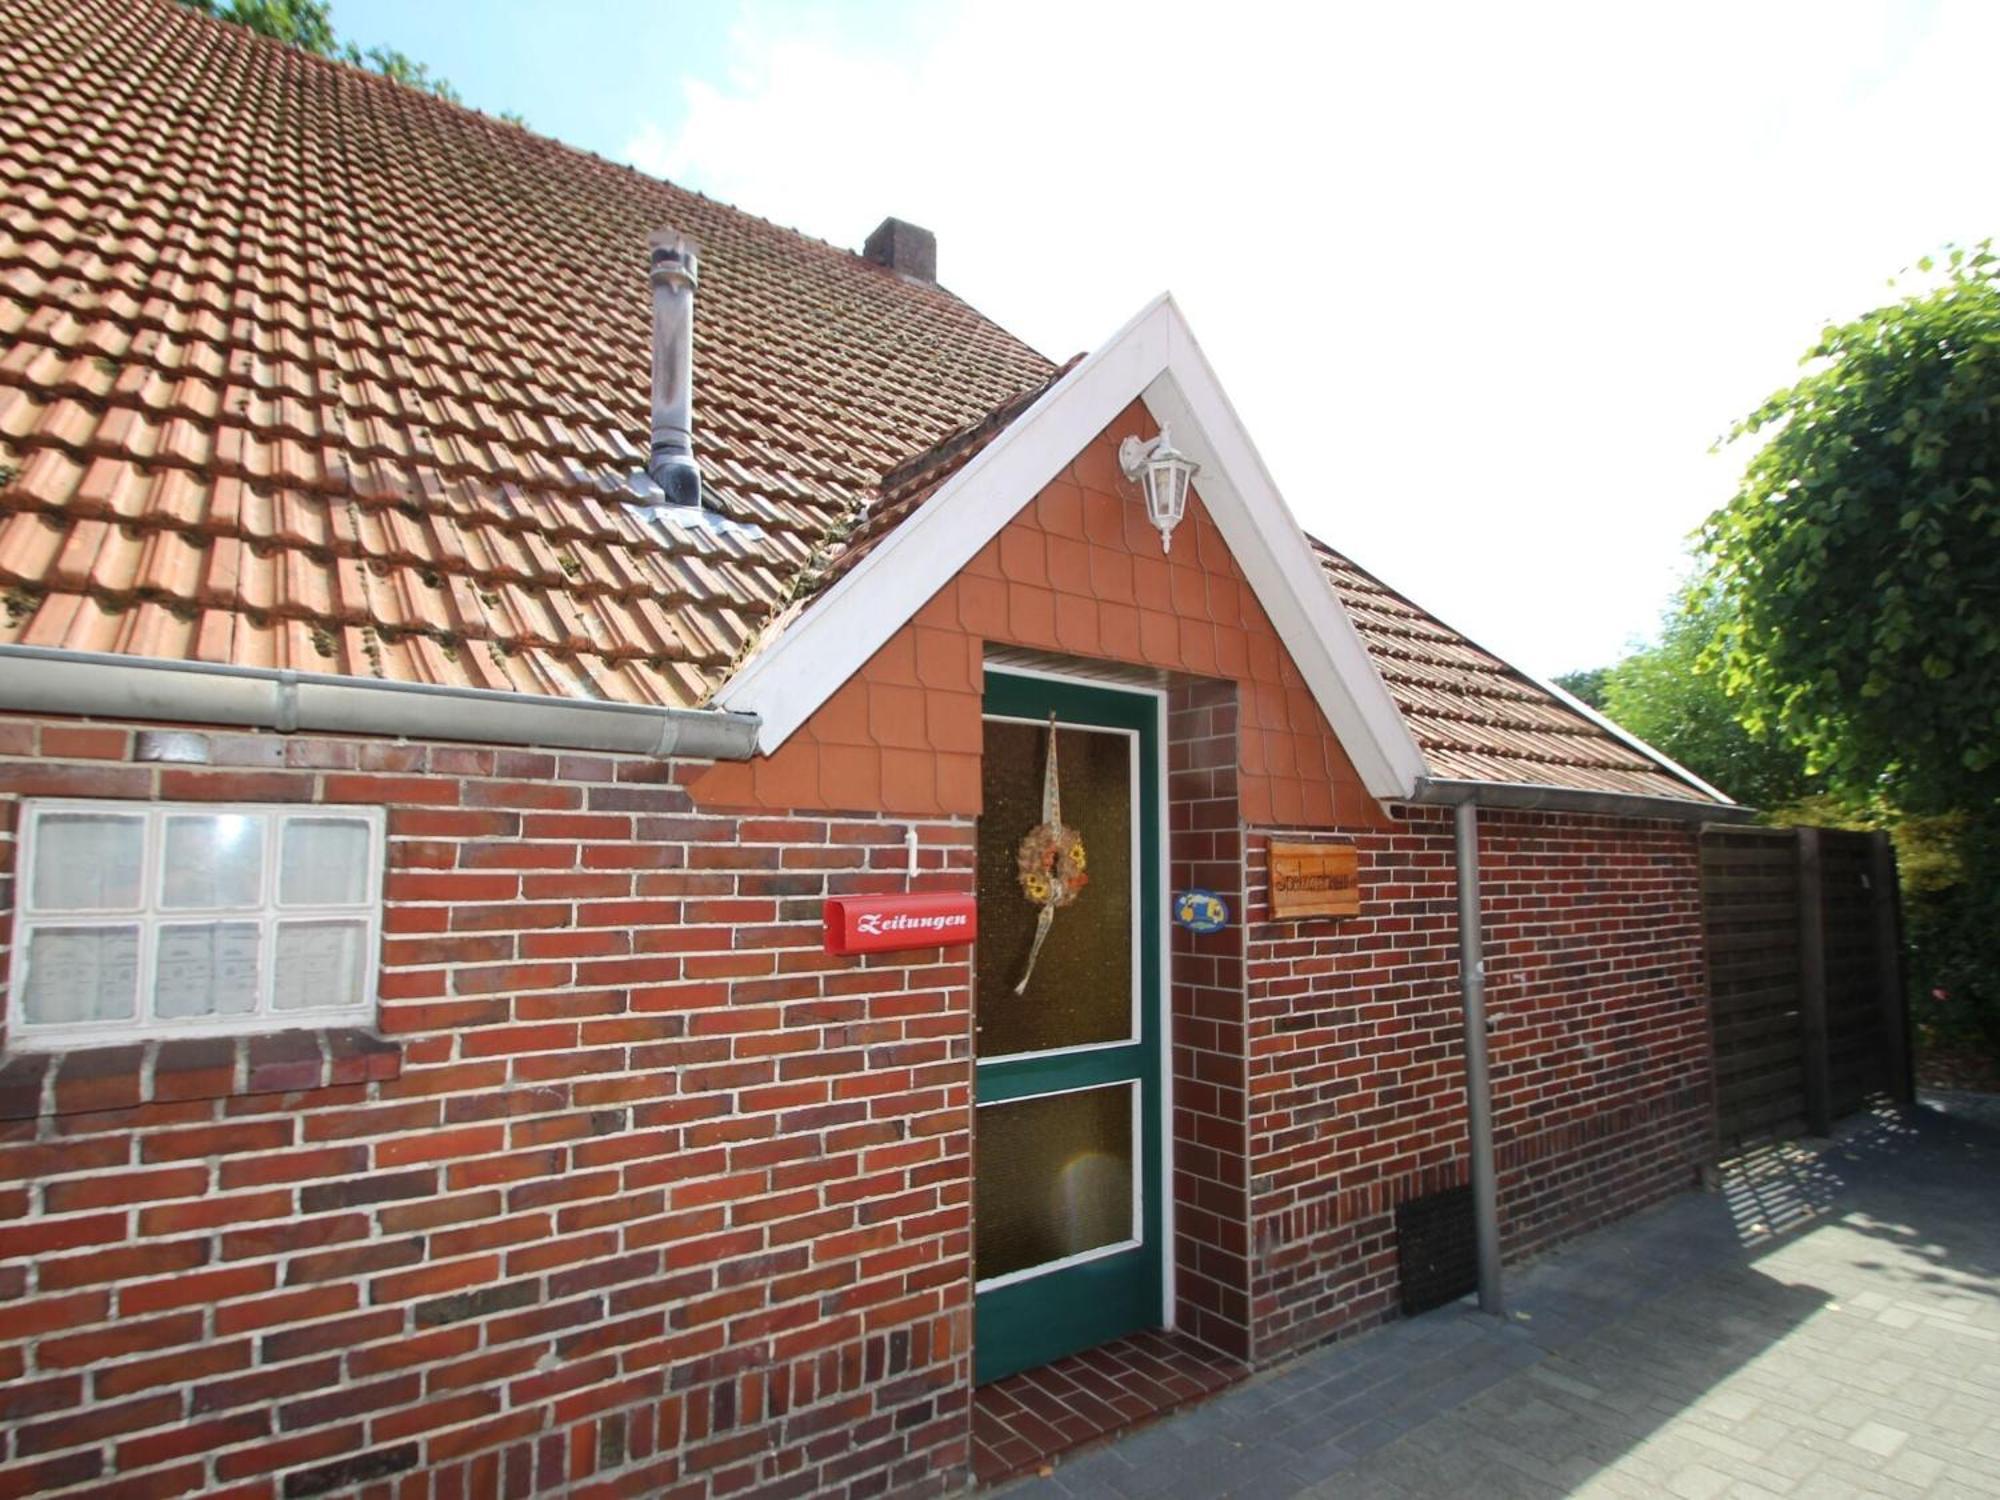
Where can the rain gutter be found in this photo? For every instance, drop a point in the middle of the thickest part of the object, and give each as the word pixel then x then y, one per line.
pixel 1526 797
pixel 37 679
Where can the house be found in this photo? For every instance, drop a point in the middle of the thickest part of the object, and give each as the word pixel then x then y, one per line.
pixel 438 758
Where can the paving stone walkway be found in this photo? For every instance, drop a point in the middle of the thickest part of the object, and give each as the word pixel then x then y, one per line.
pixel 1827 1324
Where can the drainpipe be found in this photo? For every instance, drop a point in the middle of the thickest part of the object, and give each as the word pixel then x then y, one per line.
pixel 1478 1083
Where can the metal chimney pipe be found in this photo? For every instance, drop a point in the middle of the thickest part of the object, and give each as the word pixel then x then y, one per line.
pixel 673 274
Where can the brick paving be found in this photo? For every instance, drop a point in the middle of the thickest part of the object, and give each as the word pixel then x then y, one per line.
pixel 1026 1420
pixel 1826 1324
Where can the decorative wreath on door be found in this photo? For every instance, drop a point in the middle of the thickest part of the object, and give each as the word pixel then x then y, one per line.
pixel 1050 862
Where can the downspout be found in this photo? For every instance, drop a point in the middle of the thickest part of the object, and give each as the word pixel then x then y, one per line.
pixel 1465 798
pixel 1478 1080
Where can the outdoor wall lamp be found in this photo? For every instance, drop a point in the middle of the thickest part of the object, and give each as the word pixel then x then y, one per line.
pixel 1164 475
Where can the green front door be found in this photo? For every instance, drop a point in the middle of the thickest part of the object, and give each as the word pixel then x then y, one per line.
pixel 1067 1172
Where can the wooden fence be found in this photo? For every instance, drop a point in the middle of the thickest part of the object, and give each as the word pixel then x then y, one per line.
pixel 1805 978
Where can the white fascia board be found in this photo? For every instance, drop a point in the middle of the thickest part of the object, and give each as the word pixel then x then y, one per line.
pixel 1275 555
pixel 1155 357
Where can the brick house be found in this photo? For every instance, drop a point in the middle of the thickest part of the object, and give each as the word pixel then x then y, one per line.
pixel 424 797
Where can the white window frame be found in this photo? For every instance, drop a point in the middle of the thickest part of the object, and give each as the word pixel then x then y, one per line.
pixel 150 916
pixel 1137 1236
pixel 1138 821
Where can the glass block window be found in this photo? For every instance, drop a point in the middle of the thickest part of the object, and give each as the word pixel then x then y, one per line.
pixel 140 920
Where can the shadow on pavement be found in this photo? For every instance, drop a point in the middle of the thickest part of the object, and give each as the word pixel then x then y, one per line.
pixel 1792 1329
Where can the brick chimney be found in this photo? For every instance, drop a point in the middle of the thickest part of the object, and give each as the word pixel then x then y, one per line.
pixel 904 248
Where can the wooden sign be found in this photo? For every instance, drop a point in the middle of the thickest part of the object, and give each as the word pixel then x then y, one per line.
pixel 880 924
pixel 1314 880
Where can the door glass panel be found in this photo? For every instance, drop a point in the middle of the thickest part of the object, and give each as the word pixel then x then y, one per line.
pixel 1080 990
pixel 1054 1178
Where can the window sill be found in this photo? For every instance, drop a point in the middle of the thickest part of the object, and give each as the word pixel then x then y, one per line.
pixel 178 1069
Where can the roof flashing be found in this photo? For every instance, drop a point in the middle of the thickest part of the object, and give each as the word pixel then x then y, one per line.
pixel 684 519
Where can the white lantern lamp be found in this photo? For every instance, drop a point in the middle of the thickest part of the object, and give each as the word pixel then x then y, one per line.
pixel 1164 475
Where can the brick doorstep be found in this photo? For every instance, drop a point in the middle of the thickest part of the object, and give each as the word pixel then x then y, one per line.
pixel 1041 1416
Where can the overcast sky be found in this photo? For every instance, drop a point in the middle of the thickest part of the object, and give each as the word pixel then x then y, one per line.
pixel 1485 282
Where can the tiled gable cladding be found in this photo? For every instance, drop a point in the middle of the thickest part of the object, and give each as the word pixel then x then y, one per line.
pixel 1077 573
pixel 1474 717
pixel 394 354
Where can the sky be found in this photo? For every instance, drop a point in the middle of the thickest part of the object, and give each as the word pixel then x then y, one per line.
pixel 1486 283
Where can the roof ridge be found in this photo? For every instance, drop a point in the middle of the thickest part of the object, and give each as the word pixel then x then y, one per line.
pixel 972 435
pixel 369 77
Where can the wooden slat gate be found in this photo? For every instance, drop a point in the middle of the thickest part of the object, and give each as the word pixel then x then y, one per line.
pixel 1805 978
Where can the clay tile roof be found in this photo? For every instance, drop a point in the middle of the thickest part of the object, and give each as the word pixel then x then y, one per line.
pixel 1477 719
pixel 917 478
pixel 302 368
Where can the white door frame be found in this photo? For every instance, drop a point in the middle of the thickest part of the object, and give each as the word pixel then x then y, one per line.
pixel 1164 1020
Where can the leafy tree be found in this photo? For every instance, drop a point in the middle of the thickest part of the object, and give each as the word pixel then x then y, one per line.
pixel 297 23
pixel 400 66
pixel 309 24
pixel 1858 567
pixel 1662 694
pixel 1586 683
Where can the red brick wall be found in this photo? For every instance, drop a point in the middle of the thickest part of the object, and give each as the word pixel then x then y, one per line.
pixel 1210 1087
pixel 1078 571
pixel 653 1193
pixel 657 1194
pixel 1599 1051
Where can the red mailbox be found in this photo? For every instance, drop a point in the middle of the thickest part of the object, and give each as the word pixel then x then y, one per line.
pixel 878 924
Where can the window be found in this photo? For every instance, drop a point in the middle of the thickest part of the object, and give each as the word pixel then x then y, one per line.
pixel 140 920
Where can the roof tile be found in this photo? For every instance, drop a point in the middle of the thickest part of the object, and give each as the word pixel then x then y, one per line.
pixel 1474 717
pixel 419 337
pixel 375 403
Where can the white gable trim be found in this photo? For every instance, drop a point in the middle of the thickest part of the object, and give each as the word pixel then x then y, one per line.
pixel 1156 358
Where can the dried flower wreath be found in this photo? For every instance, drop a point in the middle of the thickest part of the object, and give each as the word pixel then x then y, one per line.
pixel 1050 862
